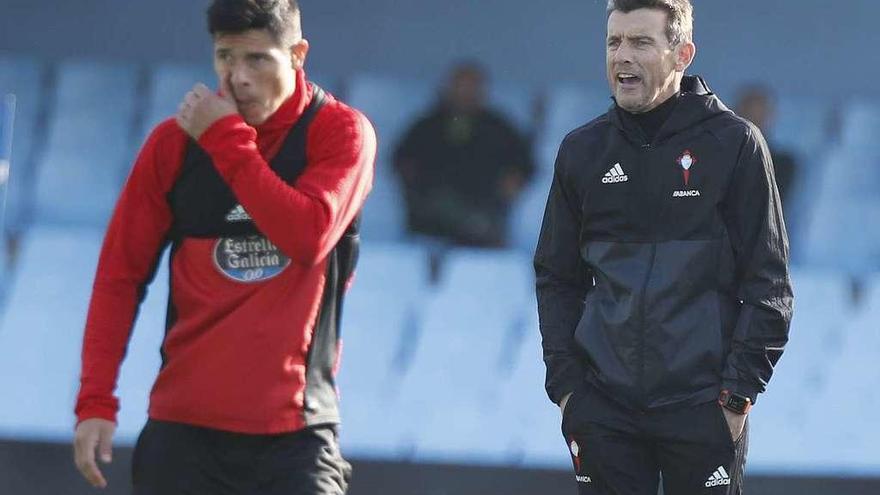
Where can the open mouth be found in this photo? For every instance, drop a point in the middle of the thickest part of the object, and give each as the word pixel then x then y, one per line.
pixel 627 79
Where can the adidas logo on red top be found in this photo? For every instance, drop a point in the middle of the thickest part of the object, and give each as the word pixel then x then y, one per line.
pixel 238 214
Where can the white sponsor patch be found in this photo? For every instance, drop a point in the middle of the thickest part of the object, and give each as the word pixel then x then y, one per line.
pixel 249 258
pixel 686 194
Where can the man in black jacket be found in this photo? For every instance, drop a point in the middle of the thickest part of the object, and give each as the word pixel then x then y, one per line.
pixel 462 166
pixel 662 271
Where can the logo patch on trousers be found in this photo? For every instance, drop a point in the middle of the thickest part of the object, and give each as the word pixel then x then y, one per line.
pixel 576 457
pixel 718 478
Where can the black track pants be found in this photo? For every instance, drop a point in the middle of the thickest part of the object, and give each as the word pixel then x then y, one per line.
pixel 617 451
pixel 177 459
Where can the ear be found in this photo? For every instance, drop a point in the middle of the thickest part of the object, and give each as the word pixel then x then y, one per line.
pixel 298 53
pixel 686 52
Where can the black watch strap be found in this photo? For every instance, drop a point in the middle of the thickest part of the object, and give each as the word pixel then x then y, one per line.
pixel 734 402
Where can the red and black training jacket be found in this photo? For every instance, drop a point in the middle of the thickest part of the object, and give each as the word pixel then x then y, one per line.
pixel 262 227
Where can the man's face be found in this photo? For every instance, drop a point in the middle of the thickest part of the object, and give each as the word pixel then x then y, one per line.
pixel 644 70
pixel 466 91
pixel 257 70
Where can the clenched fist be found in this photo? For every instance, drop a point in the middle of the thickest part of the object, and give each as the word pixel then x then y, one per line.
pixel 200 108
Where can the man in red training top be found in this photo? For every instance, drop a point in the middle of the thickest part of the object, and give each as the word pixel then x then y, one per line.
pixel 257 191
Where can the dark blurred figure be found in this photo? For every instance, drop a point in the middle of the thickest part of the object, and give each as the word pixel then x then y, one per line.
pixel 755 104
pixel 462 165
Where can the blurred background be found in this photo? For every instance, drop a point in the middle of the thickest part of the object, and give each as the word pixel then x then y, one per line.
pixel 442 379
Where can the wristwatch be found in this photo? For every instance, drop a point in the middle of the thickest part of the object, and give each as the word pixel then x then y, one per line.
pixel 735 402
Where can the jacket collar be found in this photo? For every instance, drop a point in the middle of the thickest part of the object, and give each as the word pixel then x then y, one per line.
pixel 292 109
pixel 697 104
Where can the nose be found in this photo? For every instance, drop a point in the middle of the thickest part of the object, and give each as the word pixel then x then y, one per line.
pixel 623 54
pixel 238 77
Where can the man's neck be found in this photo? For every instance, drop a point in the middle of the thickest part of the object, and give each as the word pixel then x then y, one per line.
pixel 651 121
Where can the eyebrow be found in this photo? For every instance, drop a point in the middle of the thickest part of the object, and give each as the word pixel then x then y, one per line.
pixel 637 37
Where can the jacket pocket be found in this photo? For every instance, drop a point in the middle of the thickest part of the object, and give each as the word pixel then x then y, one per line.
pixel 570 415
pixel 725 429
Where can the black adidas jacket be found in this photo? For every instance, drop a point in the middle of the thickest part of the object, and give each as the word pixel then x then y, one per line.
pixel 662 267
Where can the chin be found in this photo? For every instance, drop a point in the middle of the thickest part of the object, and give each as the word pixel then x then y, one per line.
pixel 255 120
pixel 630 106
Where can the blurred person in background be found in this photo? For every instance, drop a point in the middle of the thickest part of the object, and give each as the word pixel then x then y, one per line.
pixel 462 165
pixel 661 272
pixel 755 103
pixel 256 188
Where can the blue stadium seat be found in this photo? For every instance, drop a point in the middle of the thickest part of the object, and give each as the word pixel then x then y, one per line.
pixel 861 124
pixel 41 336
pixel 839 237
pixel 90 144
pixel 846 443
pixel 528 211
pixel 449 393
pixel 527 214
pixel 379 318
pixel 567 108
pixel 168 85
pixel 818 332
pixel 844 196
pixel 529 421
pixel 850 172
pixel 514 101
pixel 801 125
pixel 41 331
pixel 504 278
pixel 384 213
pixel 22 77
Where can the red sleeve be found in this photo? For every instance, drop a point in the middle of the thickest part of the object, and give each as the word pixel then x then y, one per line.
pixel 307 220
pixel 131 250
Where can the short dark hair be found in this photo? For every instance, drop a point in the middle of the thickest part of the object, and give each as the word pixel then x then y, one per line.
pixel 470 68
pixel 280 17
pixel 680 13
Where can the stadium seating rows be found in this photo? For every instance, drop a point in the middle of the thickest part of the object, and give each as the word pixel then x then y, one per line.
pixel 450 371
pixel 24 78
pixel 71 153
pixel 445 372
pixel 90 143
